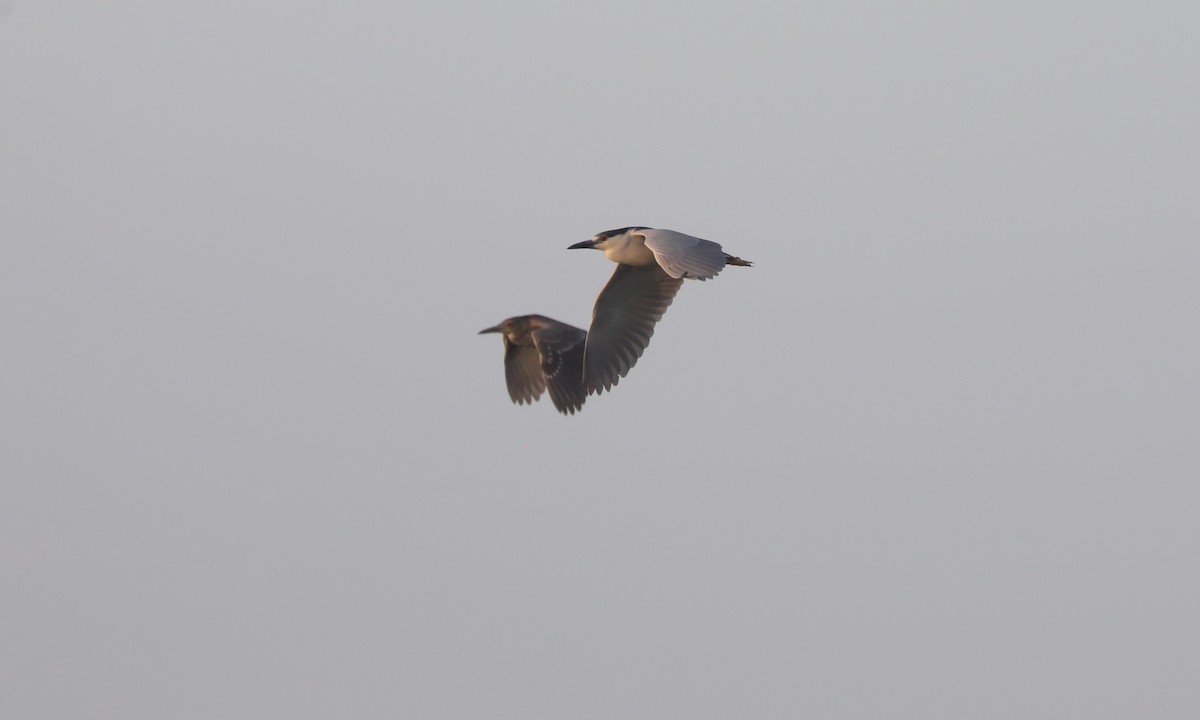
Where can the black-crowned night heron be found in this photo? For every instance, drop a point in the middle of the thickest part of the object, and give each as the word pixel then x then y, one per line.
pixel 541 353
pixel 651 265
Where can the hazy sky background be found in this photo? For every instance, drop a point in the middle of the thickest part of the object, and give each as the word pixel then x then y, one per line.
pixel 935 456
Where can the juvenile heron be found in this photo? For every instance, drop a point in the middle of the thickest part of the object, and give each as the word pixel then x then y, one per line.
pixel 541 353
pixel 651 265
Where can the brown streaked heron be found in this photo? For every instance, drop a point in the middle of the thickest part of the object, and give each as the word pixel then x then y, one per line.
pixel 539 354
pixel 651 266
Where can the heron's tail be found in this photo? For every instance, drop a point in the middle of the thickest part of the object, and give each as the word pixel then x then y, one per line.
pixel 731 260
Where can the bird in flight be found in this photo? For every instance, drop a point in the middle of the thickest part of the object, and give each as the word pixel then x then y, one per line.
pixel 540 354
pixel 651 266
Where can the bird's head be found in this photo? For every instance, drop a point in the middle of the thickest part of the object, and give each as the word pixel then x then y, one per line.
pixel 505 328
pixel 607 239
pixel 516 329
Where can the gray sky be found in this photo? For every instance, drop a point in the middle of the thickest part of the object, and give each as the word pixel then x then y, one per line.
pixel 934 456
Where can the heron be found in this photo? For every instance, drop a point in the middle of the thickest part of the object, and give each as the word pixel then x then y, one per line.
pixel 539 354
pixel 651 266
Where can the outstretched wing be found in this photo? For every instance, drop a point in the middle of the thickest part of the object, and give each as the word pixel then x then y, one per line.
pixel 561 348
pixel 684 256
pixel 522 372
pixel 623 320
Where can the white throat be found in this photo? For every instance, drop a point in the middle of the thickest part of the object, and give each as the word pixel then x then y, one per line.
pixel 628 249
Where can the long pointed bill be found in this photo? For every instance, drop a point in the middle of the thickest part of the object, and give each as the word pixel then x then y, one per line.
pixel 496 329
pixel 584 244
